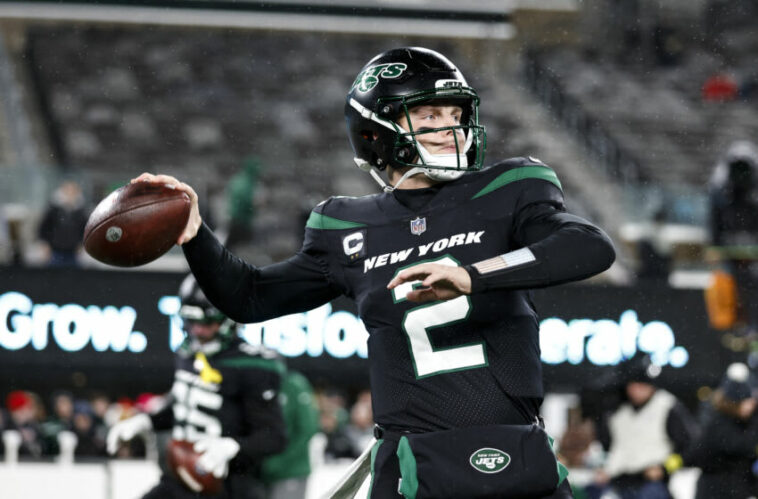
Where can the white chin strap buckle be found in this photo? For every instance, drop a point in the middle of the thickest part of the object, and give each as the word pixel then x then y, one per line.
pixel 443 175
pixel 457 161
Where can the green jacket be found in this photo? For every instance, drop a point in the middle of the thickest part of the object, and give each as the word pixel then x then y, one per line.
pixel 301 416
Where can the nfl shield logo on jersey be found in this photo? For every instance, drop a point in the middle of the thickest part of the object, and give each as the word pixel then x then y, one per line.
pixel 418 226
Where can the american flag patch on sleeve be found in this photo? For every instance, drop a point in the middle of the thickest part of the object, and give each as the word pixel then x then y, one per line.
pixel 505 261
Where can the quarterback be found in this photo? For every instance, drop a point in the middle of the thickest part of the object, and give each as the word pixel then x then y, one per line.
pixel 439 264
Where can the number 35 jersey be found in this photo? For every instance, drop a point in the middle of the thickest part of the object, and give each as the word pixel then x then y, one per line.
pixel 232 393
pixel 444 364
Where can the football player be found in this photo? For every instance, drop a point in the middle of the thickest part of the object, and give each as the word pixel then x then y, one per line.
pixel 439 264
pixel 224 399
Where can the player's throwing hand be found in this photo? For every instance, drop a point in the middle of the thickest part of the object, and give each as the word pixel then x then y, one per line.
pixel 195 221
pixel 438 282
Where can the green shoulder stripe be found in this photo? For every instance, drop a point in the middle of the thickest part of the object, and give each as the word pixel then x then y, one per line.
pixel 521 173
pixel 319 221
pixel 267 364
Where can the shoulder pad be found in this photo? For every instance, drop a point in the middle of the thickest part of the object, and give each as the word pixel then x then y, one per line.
pixel 511 163
pixel 534 160
pixel 343 212
pixel 516 169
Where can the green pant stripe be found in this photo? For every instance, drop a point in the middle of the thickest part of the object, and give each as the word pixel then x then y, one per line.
pixel 409 484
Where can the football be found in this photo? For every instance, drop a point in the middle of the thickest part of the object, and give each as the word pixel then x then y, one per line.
pixel 182 462
pixel 136 224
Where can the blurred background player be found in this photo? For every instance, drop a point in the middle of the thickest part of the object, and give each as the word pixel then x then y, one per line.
pixel 286 474
pixel 726 449
pixel 241 197
pixel 224 398
pixel 645 436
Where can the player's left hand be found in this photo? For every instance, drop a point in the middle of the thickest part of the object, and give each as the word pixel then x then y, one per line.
pixel 216 454
pixel 440 282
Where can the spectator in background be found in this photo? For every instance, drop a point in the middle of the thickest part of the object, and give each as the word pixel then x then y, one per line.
pixel 720 88
pixel 6 246
pixel 240 195
pixel 333 420
pixel 733 192
pixel 575 445
pixel 644 436
pixel 4 425
pixel 63 224
pixel 100 403
pixel 286 475
pixel 726 449
pixel 578 447
pixel 62 419
pixel 24 412
pixel 360 429
pixel 15 229
pixel 654 252
pixel 90 442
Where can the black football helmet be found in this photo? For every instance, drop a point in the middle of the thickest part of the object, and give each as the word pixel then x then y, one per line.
pixel 386 88
pixel 195 307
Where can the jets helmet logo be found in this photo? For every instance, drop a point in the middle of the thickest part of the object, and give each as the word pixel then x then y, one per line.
pixel 488 460
pixel 369 78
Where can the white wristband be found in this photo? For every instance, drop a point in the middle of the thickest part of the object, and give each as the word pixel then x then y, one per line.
pixel 505 261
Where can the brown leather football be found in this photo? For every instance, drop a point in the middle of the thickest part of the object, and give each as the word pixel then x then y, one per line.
pixel 136 224
pixel 182 461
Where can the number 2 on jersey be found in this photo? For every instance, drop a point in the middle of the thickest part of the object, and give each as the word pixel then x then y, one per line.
pixel 428 361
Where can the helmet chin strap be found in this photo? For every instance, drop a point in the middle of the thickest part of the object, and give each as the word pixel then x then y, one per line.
pixel 366 167
pixel 438 175
pixel 413 171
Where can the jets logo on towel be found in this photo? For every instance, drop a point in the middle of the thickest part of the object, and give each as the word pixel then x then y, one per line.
pixel 488 460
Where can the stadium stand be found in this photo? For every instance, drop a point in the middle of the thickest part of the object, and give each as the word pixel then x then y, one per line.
pixel 672 132
pixel 646 84
pixel 655 93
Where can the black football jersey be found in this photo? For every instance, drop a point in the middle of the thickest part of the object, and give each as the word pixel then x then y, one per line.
pixel 233 393
pixel 449 363
pixel 472 360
